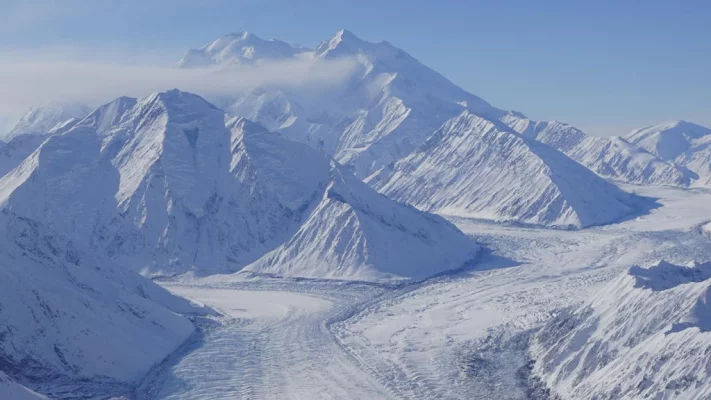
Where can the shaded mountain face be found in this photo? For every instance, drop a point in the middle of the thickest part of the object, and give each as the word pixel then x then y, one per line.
pixel 472 167
pixel 70 315
pixel 613 158
pixel 167 184
pixel 683 143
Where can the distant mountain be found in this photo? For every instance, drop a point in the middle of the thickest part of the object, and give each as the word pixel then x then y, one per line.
pixel 613 158
pixel 683 143
pixel 238 48
pixel 43 119
pixel 69 316
pixel 477 168
pixel 387 108
pixel 647 332
pixel 166 184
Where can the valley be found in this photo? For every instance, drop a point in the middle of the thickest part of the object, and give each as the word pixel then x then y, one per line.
pixel 459 336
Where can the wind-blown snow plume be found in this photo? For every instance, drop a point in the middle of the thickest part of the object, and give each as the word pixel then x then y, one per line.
pixel 95 82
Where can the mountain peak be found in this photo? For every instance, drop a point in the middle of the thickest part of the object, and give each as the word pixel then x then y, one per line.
pixel 343 41
pixel 40 120
pixel 242 35
pixel 346 35
pixel 237 48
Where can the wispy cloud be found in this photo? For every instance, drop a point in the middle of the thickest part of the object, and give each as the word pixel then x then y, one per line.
pixel 36 81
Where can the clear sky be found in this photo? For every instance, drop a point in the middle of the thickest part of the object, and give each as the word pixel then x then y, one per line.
pixel 606 66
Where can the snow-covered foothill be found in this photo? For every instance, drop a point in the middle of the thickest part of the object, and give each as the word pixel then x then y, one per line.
pixel 11 390
pixel 646 334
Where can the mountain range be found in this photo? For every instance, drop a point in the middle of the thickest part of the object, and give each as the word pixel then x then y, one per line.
pixel 170 184
pixel 351 183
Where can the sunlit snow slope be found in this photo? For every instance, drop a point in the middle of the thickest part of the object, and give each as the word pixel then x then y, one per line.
pixel 472 167
pixel 643 335
pixel 168 184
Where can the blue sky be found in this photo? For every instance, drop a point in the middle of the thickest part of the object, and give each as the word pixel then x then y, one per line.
pixel 605 66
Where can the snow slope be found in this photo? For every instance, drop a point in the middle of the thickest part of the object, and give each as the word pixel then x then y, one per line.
pixel 41 120
pixel 476 168
pixel 682 143
pixel 69 316
pixel 237 48
pixel 171 186
pixel 613 158
pixel 9 389
pixel 646 334
pixel 387 108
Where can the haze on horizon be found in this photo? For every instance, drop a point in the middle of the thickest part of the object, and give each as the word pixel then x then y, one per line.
pixel 606 68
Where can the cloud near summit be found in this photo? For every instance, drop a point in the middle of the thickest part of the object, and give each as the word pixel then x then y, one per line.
pixel 36 81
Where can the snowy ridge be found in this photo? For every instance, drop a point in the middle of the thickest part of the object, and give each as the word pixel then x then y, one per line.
pixel 9 389
pixel 472 167
pixel 175 186
pixel 656 319
pixel 40 121
pixel 69 315
pixel 237 48
pixel 384 112
pixel 613 158
pixel 683 143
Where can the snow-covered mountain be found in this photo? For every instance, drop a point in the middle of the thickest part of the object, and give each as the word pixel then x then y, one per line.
pixel 69 316
pixel 682 143
pixel 238 49
pixel 387 109
pixel 473 167
pixel 613 158
pixel 42 120
pixel 168 185
pixel 9 389
pixel 646 334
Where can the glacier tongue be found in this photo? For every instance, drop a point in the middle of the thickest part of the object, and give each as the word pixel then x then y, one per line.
pixel 477 168
pixel 169 184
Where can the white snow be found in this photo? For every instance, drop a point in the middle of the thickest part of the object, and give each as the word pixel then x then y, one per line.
pixel 41 120
pixel 273 343
pixel 472 167
pixel 381 114
pixel 613 158
pixel 685 144
pixel 646 334
pixel 467 336
pixel 169 184
pixel 12 390
pixel 238 48
pixel 70 316
pixel 327 289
